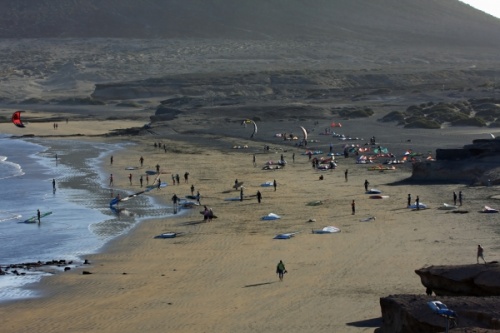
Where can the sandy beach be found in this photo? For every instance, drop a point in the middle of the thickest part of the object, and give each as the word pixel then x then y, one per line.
pixel 220 276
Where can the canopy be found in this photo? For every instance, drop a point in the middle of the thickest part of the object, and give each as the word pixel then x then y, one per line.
pixel 16 119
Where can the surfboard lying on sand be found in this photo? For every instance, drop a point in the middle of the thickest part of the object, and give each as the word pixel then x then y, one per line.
pixel 446 206
pixel 373 191
pixel 420 206
pixel 34 219
pixel 327 230
pixel 378 196
pixel 271 216
pixel 286 235
pixel 488 209
pixel 168 235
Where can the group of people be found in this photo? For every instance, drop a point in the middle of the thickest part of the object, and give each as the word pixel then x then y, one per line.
pixel 208 214
pixel 177 179
pixel 460 198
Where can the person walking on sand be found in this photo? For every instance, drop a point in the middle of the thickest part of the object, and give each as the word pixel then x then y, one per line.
pixel 417 202
pixel 480 253
pixel 38 216
pixel 111 180
pixel 175 200
pixel 366 184
pixel 177 179
pixel 140 180
pixel 254 162
pixel 159 183
pixel 142 161
pixel 186 177
pixel 345 174
pixel 293 157
pixel 241 193
pixel 409 200
pixel 460 198
pixel 275 184
pixel 198 197
pixel 173 179
pixel 280 270
pixel 454 198
pixel 111 160
pixel 157 168
pixel 353 207
pixel 147 179
pixel 130 178
pixel 192 189
pixel 259 196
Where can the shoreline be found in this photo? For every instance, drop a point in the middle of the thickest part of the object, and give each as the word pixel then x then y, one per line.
pixel 72 190
pixel 191 283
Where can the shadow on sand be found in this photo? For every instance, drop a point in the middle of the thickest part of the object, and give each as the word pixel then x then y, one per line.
pixel 258 284
pixel 374 322
pixel 191 222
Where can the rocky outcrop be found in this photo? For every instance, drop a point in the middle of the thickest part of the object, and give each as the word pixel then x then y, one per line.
pixel 411 314
pixel 475 164
pixel 203 89
pixel 464 280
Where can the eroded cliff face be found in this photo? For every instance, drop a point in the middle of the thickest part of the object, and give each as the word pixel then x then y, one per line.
pixel 464 280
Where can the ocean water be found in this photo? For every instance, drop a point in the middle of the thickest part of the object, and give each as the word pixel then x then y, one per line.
pixel 81 221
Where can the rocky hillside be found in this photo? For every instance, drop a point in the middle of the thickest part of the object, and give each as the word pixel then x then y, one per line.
pixel 394 21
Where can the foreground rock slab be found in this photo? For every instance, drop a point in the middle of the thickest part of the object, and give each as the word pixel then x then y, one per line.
pixel 411 314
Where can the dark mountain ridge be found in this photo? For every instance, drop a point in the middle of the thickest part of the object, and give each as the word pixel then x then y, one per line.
pixel 394 21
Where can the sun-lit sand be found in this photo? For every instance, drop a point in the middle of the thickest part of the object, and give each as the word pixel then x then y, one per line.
pixel 221 276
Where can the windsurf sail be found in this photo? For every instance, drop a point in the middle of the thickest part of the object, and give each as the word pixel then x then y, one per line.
pixel 16 119
pixel 304 132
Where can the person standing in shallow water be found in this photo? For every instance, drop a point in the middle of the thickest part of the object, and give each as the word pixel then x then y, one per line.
pixel 454 198
pixel 366 184
pixel 280 270
pixel 409 200
pixel 39 216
